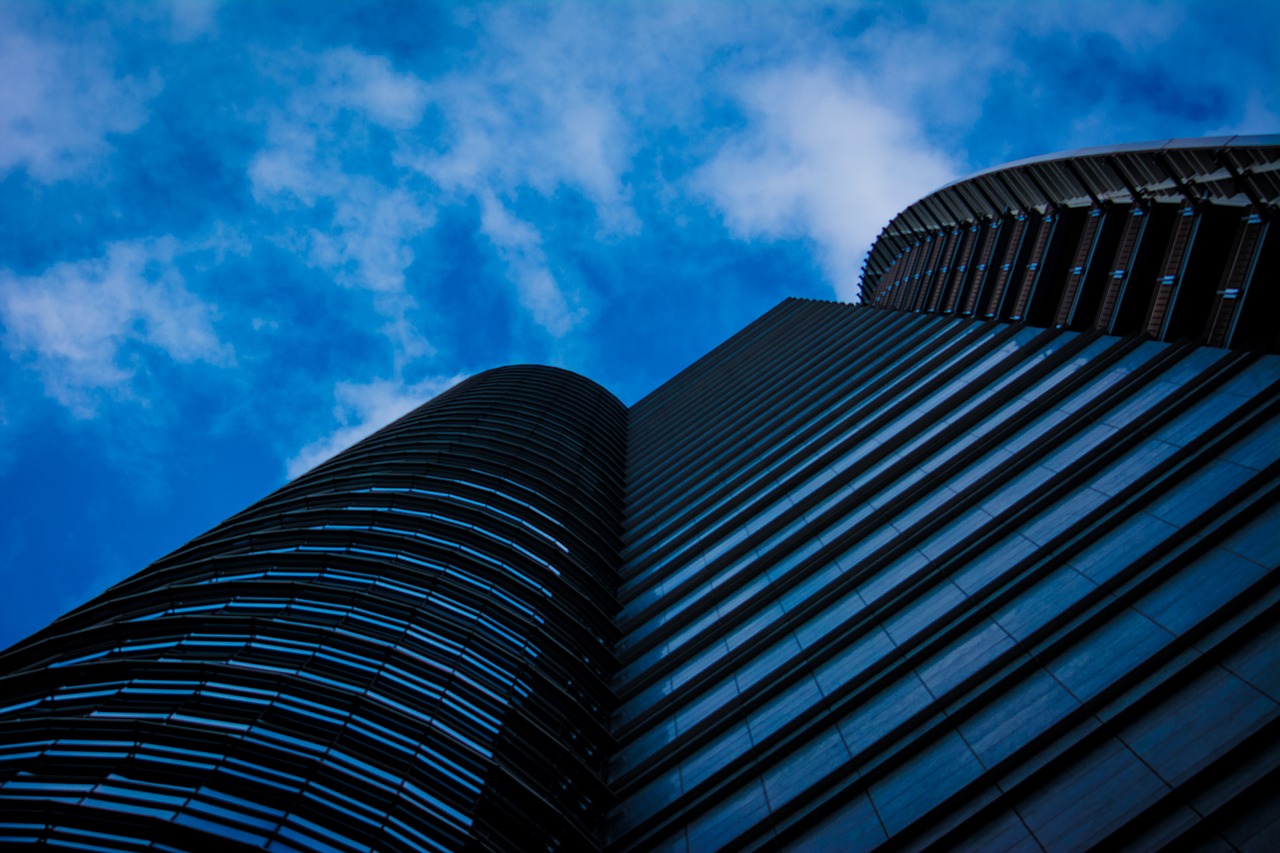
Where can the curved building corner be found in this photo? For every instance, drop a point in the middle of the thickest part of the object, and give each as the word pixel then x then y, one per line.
pixel 988 562
pixel 407 648
pixel 1172 240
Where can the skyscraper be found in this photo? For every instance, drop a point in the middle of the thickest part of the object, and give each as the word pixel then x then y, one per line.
pixel 987 561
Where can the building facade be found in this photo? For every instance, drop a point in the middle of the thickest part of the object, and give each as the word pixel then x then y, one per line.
pixel 988 561
pixel 407 648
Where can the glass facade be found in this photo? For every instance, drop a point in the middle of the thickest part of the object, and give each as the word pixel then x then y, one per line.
pixel 953 582
pixel 953 568
pixel 1170 239
pixel 407 648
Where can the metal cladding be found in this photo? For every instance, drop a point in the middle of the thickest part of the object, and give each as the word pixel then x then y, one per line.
pixel 903 580
pixel 859 578
pixel 405 649
pixel 1172 240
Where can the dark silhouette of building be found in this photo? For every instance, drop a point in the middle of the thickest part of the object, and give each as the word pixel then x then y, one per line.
pixel 988 561
pixel 405 649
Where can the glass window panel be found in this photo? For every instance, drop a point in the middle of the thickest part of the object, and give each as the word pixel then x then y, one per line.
pixel 1136 404
pixel 781 710
pixel 1121 547
pixel 1259 449
pixel 1194 422
pixel 219 829
pixel 992 563
pixel 707 704
pixel 867 546
pixel 924 611
pixel 1122 368
pixel 905 567
pixel 677 843
pixel 1132 466
pixel 698 663
pixel 804 765
pixel 1005 832
pixel 1017 489
pixel 748 629
pixel 1077 808
pixel 1044 600
pixel 928 778
pixel 936 545
pixel 1197 725
pixel 816 629
pixel 1101 657
pixel 636 705
pixel 715 755
pixel 1189 498
pixel 923 508
pixel 853 660
pixel 1258 662
pixel 962 658
pixel 879 713
pixel 1018 714
pixel 764 663
pixel 730 817
pixel 634 753
pixel 1198 590
pixel 1032 432
pixel 853 826
pixel 817 580
pixel 1066 512
pixel 734 599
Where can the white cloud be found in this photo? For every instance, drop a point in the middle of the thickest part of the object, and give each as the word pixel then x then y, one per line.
pixel 304 161
pixel 59 104
pixel 370 84
pixel 518 122
pixel 89 327
pixel 1256 118
pixel 542 110
pixel 519 246
pixel 366 242
pixel 820 159
pixel 363 408
pixel 190 19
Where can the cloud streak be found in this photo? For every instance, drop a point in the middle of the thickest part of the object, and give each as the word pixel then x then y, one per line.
pixel 820 159
pixel 60 104
pixel 89 328
pixel 361 409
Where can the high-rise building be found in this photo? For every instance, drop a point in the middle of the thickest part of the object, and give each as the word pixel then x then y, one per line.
pixel 987 561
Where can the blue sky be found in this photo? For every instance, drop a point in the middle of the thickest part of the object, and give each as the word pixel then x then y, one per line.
pixel 236 238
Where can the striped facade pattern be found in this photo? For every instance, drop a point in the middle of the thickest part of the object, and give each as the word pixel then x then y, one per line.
pixel 1174 241
pixel 898 580
pixel 988 562
pixel 407 648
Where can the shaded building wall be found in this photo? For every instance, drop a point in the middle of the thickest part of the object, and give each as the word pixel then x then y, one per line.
pixel 404 649
pixel 1173 240
pixel 965 566
pixel 906 579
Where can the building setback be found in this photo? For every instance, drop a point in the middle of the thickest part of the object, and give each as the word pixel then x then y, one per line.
pixel 988 561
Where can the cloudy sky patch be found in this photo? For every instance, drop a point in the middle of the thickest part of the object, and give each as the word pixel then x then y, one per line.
pixel 240 237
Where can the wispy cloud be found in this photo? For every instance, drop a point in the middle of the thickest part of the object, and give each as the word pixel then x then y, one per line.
pixel 612 187
pixel 350 212
pixel 519 245
pixel 88 328
pixel 362 408
pixel 60 103
pixel 820 159
pixel 543 114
